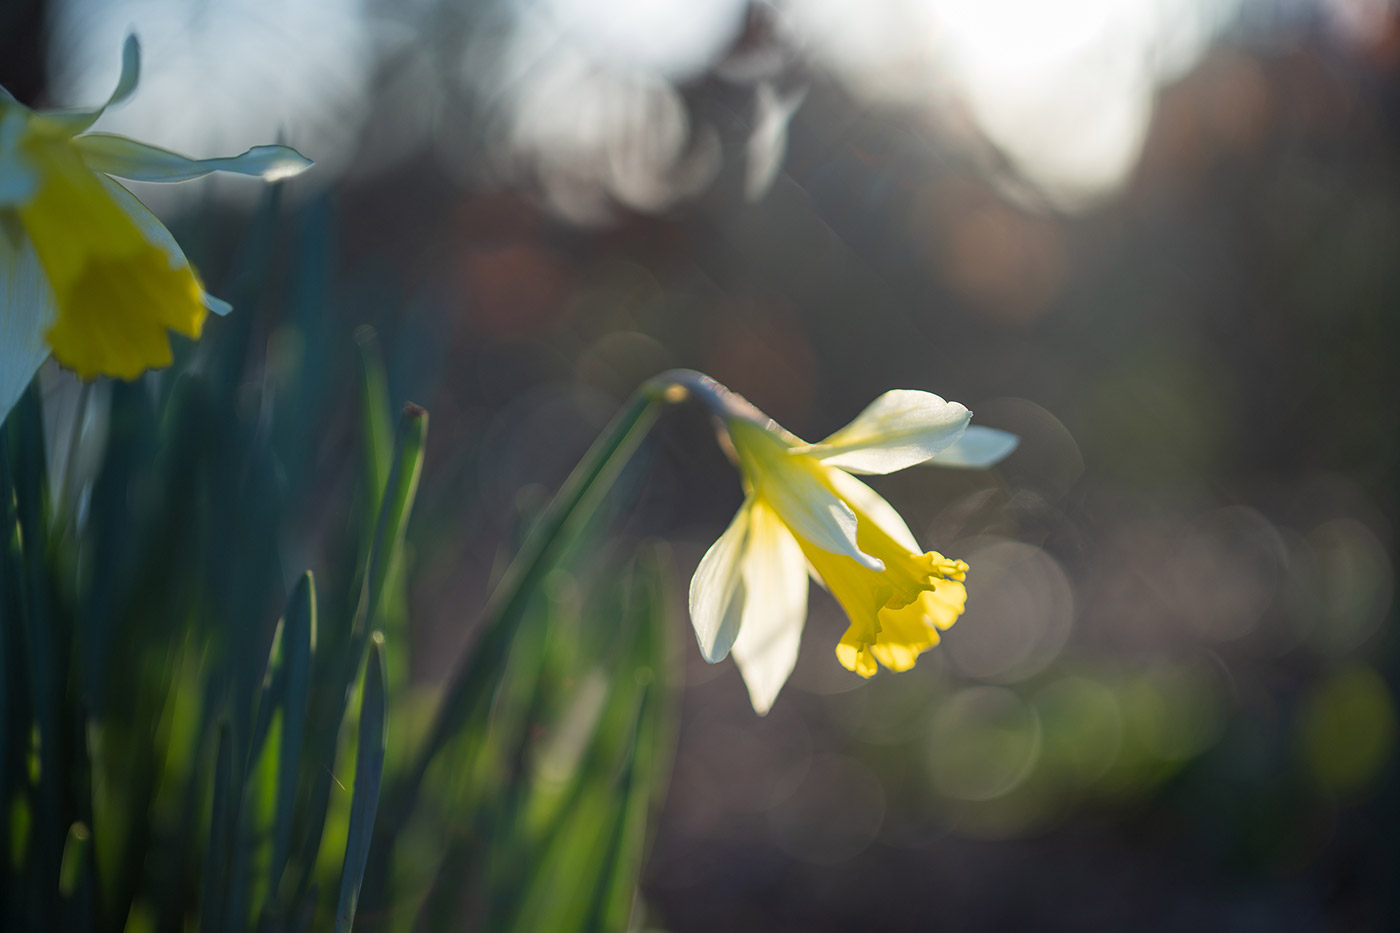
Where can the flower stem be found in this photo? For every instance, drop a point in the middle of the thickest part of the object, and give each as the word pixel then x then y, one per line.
pixel 575 501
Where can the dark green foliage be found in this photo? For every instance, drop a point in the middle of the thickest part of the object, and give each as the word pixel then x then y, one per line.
pixel 190 736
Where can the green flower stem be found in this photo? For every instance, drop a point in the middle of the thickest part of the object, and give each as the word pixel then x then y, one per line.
pixel 395 507
pixel 576 500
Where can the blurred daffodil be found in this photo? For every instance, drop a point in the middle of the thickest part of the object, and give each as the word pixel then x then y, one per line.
pixel 87 273
pixel 804 512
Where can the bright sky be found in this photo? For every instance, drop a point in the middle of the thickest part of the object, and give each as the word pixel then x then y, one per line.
pixel 219 76
pixel 1064 89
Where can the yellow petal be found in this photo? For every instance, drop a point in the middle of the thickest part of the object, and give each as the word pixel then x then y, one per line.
pixel 894 614
pixel 855 655
pixel 944 604
pixel 115 292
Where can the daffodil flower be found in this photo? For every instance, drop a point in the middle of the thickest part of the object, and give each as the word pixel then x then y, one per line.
pixel 87 273
pixel 805 512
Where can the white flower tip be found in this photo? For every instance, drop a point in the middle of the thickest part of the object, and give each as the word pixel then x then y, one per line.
pixel 216 305
pixel 978 448
pixel 278 162
pixel 765 685
pixel 713 654
pixel 717 591
pixel 897 430
pixel 714 646
pixel 131 53
pixel 870 563
pixel 131 70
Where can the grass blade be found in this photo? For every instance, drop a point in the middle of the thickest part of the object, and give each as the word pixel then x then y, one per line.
pixel 374 411
pixel 472 684
pixel 395 507
pixel 299 647
pixel 369 769
pixel 75 850
pixel 222 826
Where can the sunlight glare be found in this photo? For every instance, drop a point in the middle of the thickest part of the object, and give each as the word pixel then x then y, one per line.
pixel 220 75
pixel 1064 90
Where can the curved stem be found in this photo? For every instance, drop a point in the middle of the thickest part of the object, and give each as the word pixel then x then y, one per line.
pixel 574 502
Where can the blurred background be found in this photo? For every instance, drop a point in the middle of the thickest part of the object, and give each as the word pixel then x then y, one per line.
pixel 1158 239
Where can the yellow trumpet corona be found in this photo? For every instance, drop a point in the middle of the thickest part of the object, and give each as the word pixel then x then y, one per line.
pixel 805 512
pixel 87 273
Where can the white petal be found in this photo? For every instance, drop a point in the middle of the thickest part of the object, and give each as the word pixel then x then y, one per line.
pixel 795 486
pixel 157 235
pixel 775 608
pixel 816 514
pixel 19 181
pixel 978 447
pixel 717 590
pixel 138 161
pixel 873 506
pixel 75 121
pixel 26 313
pixel 216 305
pixel 897 430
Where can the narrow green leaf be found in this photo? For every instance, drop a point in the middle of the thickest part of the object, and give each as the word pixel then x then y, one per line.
pixel 75 855
pixel 44 662
pixel 396 505
pixel 13 715
pixel 221 838
pixel 299 649
pixel 273 689
pixel 249 890
pixel 369 768
pixel 573 862
pixel 648 768
pixel 75 880
pixel 374 411
pixel 474 681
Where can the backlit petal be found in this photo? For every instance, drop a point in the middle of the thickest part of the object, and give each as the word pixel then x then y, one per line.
pixel 116 293
pixel 904 635
pixel 797 488
pixel 855 655
pixel 26 312
pixel 72 122
pixel 19 179
pixel 775 607
pixel 870 504
pixel 717 591
pixel 157 235
pixel 138 161
pixel 979 447
pixel 897 430
pixel 943 605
